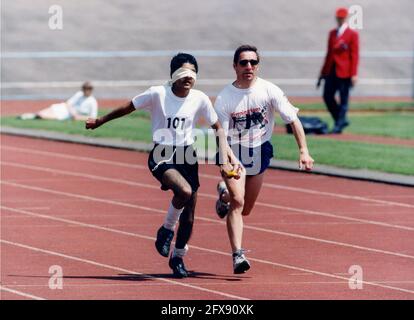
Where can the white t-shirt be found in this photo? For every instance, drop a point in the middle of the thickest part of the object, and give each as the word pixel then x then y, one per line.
pixel 247 115
pixel 86 106
pixel 173 118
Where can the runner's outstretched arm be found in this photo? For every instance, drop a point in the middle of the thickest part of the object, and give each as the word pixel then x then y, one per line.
pixel 117 113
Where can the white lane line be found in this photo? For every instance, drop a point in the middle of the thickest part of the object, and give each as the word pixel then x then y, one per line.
pixel 83 197
pixel 132 272
pixel 20 293
pixel 268 205
pixel 198 53
pixel 78 158
pixel 336 195
pixel 307 271
pixel 35 208
pixel 330 215
pixel 299 236
pixel 267 185
pixel 78 174
pixel 204 82
pixel 287 234
pixel 263 283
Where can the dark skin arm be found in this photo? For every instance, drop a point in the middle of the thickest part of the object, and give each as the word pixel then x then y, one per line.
pixel 117 113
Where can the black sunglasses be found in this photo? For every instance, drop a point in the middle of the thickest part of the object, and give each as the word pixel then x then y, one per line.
pixel 252 62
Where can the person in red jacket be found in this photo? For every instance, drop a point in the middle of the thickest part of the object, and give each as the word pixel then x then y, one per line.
pixel 340 69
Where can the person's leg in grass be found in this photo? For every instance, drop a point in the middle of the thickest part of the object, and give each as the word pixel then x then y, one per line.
pixel 46 114
pixel 57 111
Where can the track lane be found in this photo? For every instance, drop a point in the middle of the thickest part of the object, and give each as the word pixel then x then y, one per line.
pixel 76 209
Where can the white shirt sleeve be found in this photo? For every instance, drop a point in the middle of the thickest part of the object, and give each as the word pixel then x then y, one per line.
pixel 208 112
pixel 94 109
pixel 280 102
pixel 143 100
pixel 223 116
pixel 73 100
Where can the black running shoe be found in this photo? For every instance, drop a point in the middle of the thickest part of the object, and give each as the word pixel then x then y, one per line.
pixel 163 242
pixel 177 266
pixel 240 262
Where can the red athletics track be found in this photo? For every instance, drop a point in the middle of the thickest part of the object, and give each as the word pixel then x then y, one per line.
pixel 95 211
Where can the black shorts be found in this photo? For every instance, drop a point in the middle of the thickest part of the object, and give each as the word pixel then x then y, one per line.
pixel 183 159
pixel 254 160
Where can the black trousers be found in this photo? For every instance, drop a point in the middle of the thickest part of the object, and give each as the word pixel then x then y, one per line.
pixel 332 85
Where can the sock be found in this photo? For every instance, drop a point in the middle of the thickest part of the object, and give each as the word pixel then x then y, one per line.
pixel 238 252
pixel 180 252
pixel 173 215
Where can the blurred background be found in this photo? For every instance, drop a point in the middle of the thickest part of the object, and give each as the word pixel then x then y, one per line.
pixel 125 46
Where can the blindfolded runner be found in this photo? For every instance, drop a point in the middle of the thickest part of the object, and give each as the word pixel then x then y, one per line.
pixel 175 109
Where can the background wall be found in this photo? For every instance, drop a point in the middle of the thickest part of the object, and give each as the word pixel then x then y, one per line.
pixel 125 46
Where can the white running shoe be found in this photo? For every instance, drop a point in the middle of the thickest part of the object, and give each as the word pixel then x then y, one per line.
pixel 240 262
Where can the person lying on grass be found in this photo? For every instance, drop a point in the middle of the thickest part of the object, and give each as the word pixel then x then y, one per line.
pixel 81 106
